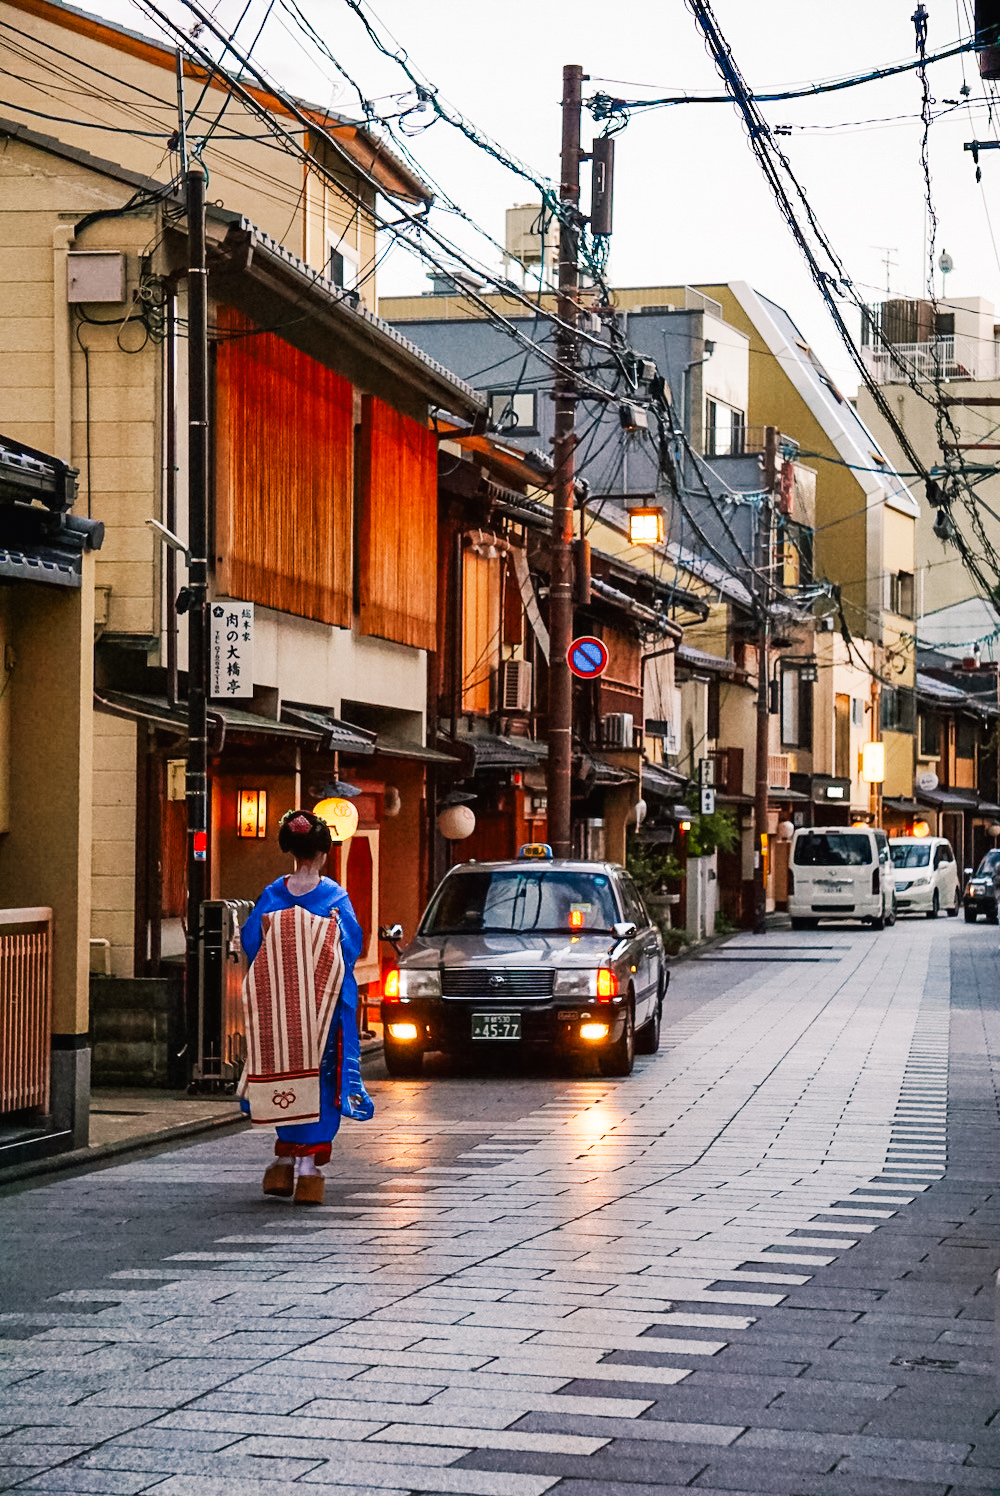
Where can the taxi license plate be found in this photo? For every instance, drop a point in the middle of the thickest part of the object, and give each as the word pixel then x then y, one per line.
pixel 496 1025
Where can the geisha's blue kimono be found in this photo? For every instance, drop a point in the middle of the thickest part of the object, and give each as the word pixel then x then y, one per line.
pixel 343 1048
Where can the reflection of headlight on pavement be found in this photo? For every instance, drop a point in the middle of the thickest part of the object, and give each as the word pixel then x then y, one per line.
pixel 403 1030
pixel 593 1031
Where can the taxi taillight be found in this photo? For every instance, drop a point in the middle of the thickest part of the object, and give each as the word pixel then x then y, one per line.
pixel 390 985
pixel 607 985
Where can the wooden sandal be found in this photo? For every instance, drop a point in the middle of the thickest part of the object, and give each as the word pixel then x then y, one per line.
pixel 279 1178
pixel 309 1189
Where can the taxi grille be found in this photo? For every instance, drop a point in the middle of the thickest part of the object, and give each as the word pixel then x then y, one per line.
pixel 499 983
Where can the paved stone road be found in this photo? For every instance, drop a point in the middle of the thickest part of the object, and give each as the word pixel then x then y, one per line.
pixel 745 1269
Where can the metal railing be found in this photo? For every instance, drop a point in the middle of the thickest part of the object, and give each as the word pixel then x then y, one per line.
pixel 939 358
pixel 25 1008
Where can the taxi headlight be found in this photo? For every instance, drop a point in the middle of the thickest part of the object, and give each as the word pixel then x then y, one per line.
pixel 600 982
pixel 575 983
pixel 417 983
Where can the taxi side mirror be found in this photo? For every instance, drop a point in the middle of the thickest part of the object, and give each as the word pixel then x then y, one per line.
pixel 969 871
pixel 390 932
pixel 624 929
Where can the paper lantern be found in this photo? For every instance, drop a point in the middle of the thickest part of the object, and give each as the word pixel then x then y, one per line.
pixel 341 817
pixel 786 830
pixel 873 763
pixel 251 817
pixel 456 822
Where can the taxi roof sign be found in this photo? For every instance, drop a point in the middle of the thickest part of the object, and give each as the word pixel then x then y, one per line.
pixel 535 849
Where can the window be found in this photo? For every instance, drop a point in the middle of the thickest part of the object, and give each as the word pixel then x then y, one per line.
pixel 833 849
pixel 713 709
pixel 897 709
pixel 342 267
pixel 634 908
pixel 965 738
pixel 911 854
pixel 842 737
pixel 901 594
pixel 725 430
pixel 796 710
pixel 930 736
pixel 514 412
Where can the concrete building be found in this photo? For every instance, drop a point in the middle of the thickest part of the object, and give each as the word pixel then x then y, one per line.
pixel 959 349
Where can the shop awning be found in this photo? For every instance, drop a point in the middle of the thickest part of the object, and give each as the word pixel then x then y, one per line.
pixel 492 751
pixel 663 783
pixel 339 737
pixel 703 663
pixel 949 799
pixel 157 709
pixel 394 747
pixel 599 773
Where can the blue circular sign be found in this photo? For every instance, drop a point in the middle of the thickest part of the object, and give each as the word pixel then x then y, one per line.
pixel 587 657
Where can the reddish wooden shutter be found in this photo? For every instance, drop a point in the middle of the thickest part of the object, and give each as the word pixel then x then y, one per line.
pixel 284 475
pixel 398 535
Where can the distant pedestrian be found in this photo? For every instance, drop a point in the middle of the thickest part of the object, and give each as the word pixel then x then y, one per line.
pixel 300 1000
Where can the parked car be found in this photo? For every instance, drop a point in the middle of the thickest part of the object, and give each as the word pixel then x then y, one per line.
pixel 840 872
pixel 980 895
pixel 927 878
pixel 534 953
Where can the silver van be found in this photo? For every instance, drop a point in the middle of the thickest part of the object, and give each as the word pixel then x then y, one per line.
pixel 841 872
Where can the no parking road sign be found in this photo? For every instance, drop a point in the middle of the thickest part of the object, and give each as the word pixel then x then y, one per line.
pixel 587 657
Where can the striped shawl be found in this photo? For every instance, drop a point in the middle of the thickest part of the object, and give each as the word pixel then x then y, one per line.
pixel 289 997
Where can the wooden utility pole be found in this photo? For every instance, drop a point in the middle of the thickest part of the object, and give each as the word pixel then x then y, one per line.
pixel 763 596
pixel 196 781
pixel 560 726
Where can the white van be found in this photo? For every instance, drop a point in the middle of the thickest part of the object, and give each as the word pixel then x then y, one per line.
pixel 841 872
pixel 927 878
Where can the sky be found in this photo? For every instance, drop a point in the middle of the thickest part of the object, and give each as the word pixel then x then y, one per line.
pixel 691 205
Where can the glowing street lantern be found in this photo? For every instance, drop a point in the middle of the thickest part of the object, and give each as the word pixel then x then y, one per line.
pixel 873 763
pixel 645 526
pixel 341 817
pixel 252 813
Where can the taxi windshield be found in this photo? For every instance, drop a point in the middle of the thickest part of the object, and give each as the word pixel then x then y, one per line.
pixel 528 901
pixel 910 854
pixel 990 864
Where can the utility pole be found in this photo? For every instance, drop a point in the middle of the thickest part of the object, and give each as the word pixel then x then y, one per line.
pixel 763 590
pixel 196 783
pixel 560 725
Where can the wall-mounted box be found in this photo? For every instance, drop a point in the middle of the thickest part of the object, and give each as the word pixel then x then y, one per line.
pixel 95 275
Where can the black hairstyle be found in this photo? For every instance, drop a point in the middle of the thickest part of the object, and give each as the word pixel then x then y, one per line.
pixel 303 843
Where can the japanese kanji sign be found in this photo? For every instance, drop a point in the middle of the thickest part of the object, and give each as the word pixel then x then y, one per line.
pixel 230 649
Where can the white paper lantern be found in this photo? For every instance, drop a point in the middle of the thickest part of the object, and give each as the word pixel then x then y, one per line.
pixel 391 801
pixel 786 830
pixel 456 822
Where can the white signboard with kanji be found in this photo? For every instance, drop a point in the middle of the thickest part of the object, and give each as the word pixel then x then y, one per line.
pixel 230 649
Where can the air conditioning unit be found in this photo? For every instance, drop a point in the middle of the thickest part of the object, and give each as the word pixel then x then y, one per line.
pixel 512 686
pixel 617 730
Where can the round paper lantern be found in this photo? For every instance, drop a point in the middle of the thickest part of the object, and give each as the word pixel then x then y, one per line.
pixel 341 817
pixel 391 801
pixel 456 822
pixel 786 830
pixel 638 814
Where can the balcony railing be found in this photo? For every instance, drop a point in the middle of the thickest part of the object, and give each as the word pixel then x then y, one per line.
pixel 25 1008
pixel 953 357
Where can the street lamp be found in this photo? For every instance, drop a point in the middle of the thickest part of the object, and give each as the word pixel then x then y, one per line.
pixel 873 763
pixel 645 525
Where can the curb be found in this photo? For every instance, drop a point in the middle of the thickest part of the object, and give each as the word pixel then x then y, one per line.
pixel 80 1157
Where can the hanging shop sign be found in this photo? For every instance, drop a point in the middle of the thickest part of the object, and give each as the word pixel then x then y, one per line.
pixel 230 649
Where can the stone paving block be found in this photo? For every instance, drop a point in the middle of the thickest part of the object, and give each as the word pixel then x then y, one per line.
pixel 76 1482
